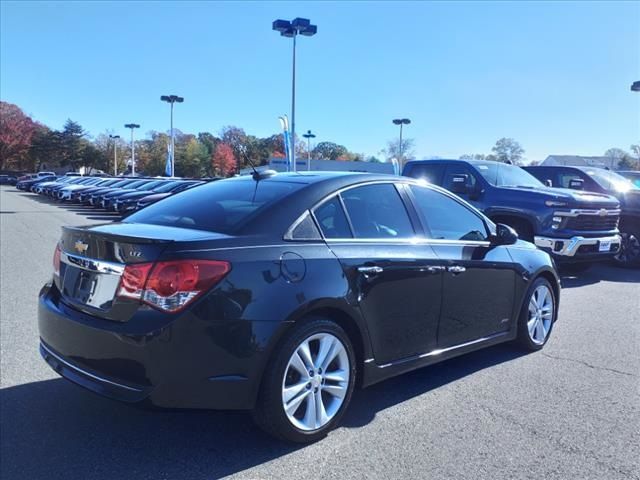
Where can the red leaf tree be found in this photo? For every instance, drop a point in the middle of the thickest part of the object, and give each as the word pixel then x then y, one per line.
pixel 223 161
pixel 16 132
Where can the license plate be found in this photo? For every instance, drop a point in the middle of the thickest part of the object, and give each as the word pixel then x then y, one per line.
pixel 604 246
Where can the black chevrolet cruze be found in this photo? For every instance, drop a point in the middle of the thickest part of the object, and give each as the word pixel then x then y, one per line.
pixel 281 293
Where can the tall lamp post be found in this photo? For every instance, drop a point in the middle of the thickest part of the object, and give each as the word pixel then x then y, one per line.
pixel 115 154
pixel 132 126
pixel 635 86
pixel 401 122
pixel 309 136
pixel 172 99
pixel 291 29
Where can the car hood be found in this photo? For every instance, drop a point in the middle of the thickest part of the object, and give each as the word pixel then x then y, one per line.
pixel 573 198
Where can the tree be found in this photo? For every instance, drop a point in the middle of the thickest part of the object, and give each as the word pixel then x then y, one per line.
pixel 635 150
pixel 16 133
pixel 473 156
pixel 223 160
pixel 615 153
pixel 507 150
pixel 236 138
pixel 328 151
pixel 194 159
pixel 403 154
pixel 72 146
pixel 628 163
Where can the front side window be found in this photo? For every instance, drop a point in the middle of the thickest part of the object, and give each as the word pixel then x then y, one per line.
pixel 377 211
pixel 445 218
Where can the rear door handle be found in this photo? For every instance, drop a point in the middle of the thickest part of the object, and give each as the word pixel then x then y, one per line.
pixel 456 269
pixel 371 270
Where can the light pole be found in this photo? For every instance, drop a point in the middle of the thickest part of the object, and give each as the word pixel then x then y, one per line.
pixel 291 29
pixel 115 154
pixel 172 99
pixel 635 86
pixel 401 122
pixel 309 136
pixel 132 126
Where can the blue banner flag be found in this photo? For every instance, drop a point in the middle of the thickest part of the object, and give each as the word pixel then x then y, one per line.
pixel 167 168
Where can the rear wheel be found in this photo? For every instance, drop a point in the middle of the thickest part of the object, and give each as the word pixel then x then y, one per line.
pixel 308 384
pixel 537 315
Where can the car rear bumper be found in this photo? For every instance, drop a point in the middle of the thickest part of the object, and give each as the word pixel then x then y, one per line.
pixel 579 247
pixel 178 361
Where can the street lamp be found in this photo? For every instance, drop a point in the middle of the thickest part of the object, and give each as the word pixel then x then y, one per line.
pixel 172 99
pixel 401 122
pixel 132 126
pixel 115 154
pixel 291 29
pixel 635 86
pixel 309 136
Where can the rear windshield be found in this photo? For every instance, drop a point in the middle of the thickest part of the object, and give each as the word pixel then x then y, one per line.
pixel 216 207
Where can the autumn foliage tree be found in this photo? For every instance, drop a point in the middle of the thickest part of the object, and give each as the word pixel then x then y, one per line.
pixel 16 133
pixel 223 161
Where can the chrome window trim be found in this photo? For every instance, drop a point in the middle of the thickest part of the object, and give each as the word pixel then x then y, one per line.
pixel 91 264
pixel 410 241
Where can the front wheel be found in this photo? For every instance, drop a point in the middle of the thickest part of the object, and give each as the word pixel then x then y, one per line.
pixel 629 253
pixel 308 384
pixel 537 315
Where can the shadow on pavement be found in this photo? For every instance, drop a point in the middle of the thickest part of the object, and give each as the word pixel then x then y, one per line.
pixel 599 273
pixel 54 429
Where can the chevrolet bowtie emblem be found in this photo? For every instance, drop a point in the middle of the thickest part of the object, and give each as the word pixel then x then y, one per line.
pixel 80 246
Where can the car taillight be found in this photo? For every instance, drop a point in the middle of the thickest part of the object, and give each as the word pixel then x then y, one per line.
pixel 56 261
pixel 172 285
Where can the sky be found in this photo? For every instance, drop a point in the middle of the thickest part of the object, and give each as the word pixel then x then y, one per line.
pixel 554 76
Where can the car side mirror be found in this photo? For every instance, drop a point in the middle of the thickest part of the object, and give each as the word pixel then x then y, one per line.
pixel 459 183
pixel 505 235
pixel 576 184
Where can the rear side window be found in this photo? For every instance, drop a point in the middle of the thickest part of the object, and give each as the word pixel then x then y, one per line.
pixel 445 218
pixel 377 211
pixel 332 220
pixel 216 207
pixel 424 171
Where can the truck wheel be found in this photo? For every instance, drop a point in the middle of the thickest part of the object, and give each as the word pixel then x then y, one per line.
pixel 629 253
pixel 308 384
pixel 537 316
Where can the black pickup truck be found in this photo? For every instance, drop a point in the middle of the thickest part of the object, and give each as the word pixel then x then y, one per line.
pixel 576 228
pixel 602 181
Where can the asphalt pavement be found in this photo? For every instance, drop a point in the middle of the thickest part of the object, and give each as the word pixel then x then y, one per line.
pixel 571 411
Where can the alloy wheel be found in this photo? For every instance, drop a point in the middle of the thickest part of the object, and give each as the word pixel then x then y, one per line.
pixel 316 381
pixel 540 314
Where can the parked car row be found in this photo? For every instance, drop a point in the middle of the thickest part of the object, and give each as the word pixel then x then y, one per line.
pixel 123 195
pixel 578 215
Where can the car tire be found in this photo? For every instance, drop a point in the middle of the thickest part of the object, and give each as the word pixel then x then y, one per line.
pixel 279 410
pixel 629 254
pixel 537 316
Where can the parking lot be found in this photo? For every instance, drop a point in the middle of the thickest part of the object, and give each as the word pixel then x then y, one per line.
pixel 571 410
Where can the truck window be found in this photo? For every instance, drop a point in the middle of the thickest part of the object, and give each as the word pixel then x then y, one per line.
pixel 431 173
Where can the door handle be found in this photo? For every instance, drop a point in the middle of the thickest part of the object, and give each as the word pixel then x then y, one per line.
pixel 371 270
pixel 456 269
pixel 435 269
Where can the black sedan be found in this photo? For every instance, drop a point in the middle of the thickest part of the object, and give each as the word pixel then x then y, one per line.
pixel 281 293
